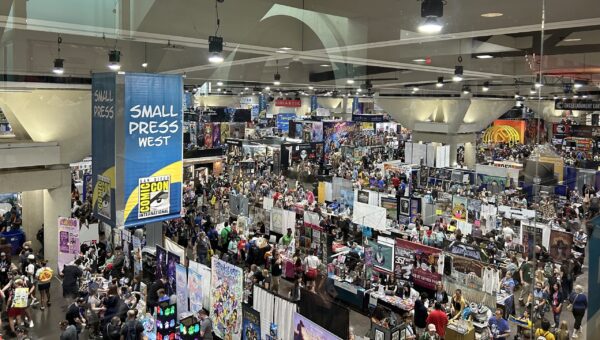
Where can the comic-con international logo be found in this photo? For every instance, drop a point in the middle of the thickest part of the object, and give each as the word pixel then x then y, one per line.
pixel 154 196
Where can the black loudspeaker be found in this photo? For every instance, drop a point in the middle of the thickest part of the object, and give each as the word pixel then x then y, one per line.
pixel 447 265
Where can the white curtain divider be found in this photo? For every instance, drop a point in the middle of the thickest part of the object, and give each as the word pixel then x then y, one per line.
pixel 176 249
pixel 284 318
pixel 206 274
pixel 264 303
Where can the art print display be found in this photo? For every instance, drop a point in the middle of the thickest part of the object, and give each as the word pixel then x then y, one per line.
pixel 417 263
pixel 391 205
pixel 216 135
pixel 317 132
pixel 250 323
pixel 161 262
pixel 531 236
pixel 383 254
pixel 224 133
pixel 149 323
pixel 208 137
pixel 473 210
pixel 459 208
pixel 226 299
pixel 363 196
pixel 467 272
pixel 195 292
pixel 561 243
pixel 336 134
pixel 404 206
pixel 172 261
pixel 182 288
pixel 306 329
pixel 68 240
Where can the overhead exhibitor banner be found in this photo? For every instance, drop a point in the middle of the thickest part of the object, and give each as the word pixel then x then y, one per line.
pixel 137 138
pixel 103 146
pixel 153 152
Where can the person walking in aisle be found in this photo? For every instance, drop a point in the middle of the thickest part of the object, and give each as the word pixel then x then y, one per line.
pixel 206 326
pixel 556 300
pixel 276 270
pixel 421 315
pixel 578 303
pixel 544 331
pixel 499 326
pixel 44 277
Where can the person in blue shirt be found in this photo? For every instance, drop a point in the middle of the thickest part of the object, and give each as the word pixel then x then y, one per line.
pixel 507 283
pixel 499 326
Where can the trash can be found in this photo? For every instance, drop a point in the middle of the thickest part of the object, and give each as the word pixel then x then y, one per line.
pixel 15 238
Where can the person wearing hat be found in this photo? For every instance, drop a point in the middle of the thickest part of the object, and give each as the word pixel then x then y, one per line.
pixel 206 326
pixel 431 333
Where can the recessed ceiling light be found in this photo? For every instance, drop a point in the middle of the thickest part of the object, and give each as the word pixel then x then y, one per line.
pixel 311 87
pixel 219 83
pixel 419 60
pixel 572 39
pixel 324 65
pixel 492 15
pixel 286 48
pixel 280 51
pixel 484 56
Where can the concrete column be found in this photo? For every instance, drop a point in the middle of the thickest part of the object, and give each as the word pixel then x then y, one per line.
pixel 33 215
pixel 57 203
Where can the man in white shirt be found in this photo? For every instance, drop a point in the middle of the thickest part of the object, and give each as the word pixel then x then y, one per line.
pixel 508 233
pixel 311 265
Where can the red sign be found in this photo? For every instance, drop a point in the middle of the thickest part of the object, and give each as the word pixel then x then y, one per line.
pixel 417 262
pixel 288 102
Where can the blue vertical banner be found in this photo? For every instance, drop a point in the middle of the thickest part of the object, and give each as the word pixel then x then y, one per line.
pixel 262 103
pixel 103 146
pixel 313 103
pixel 354 104
pixel 153 152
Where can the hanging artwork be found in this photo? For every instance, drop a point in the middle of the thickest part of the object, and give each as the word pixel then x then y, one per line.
pixel 161 263
pixel 250 323
pixel 195 290
pixel 172 261
pixel 68 240
pixel 226 299
pixel 459 208
pixel 182 290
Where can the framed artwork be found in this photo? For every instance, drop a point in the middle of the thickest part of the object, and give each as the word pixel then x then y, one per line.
pixel 379 335
pixel 396 335
pixel 404 206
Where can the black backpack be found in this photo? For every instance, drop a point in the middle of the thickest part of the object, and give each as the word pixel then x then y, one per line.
pixel 130 330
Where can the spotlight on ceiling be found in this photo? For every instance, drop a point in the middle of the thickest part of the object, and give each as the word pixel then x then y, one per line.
pixel 144 64
pixel 219 83
pixel 311 87
pixel 114 60
pixel 415 88
pixel 359 90
pixel 486 86
pixel 532 90
pixel 215 49
pixel 440 82
pixel 485 56
pixel 539 81
pixel 59 64
pixel 59 67
pixel 431 11
pixel 350 81
pixel 579 84
pixel 466 89
pixel 277 79
pixel 458 73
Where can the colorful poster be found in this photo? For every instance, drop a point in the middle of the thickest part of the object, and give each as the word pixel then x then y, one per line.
pixel 561 243
pixel 306 329
pixel 283 121
pixel 137 254
pixel 216 142
pixel 182 290
pixel 149 324
pixel 103 146
pixel 68 240
pixel 391 205
pixel 195 290
pixel 208 137
pixel 250 323
pixel 152 156
pixel 336 134
pixel 226 299
pixel 161 262
pixel 459 208
pixel 531 236
pixel 417 263
pixel 224 132
pixel 466 250
pixel 172 261
pixel 317 132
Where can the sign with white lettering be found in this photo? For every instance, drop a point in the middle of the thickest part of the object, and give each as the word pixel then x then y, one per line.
pixel 576 105
pixel 153 148
pixel 103 146
pixel 137 147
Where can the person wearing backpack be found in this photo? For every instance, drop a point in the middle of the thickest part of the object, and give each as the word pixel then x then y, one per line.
pixel 132 328
pixel 224 236
pixel 44 278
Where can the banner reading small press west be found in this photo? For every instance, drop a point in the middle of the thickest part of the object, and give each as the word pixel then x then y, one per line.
pixel 152 161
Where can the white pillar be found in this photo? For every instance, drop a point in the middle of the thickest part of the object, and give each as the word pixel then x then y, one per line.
pixel 57 203
pixel 33 215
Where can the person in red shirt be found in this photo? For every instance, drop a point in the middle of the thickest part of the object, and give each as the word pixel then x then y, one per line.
pixel 439 318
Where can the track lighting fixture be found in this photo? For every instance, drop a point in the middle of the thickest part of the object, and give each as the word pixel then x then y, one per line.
pixel 458 73
pixel 532 90
pixel 215 43
pixel 431 11
pixel 440 82
pixel 538 81
pixel 415 88
pixel 59 64
pixel 466 89
pixel 114 60
pixel 277 76
pixel 486 86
